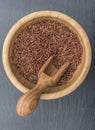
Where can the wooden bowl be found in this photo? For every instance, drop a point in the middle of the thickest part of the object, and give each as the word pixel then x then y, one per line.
pixel 79 75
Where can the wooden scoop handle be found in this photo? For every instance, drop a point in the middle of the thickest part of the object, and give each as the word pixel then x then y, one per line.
pixel 28 102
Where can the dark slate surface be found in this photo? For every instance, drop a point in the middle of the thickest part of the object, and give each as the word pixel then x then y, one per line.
pixel 73 112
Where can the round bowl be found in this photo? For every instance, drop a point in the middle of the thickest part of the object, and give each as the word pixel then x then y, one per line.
pixel 79 75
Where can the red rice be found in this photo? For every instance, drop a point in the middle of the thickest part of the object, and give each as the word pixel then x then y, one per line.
pixel 38 41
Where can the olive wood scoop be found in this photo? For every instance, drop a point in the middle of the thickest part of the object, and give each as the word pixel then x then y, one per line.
pixel 48 76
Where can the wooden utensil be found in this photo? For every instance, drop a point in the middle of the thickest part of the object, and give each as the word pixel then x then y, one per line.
pixel 48 77
pixel 78 77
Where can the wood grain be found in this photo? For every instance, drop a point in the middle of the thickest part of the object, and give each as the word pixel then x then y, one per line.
pixel 78 77
pixel 73 112
pixel 29 101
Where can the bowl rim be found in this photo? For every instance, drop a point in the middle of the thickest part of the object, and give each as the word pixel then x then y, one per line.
pixel 73 23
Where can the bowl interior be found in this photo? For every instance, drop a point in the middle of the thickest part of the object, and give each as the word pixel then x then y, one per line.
pixel 29 85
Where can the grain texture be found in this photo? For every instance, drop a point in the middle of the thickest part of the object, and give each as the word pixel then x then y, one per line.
pixel 73 112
